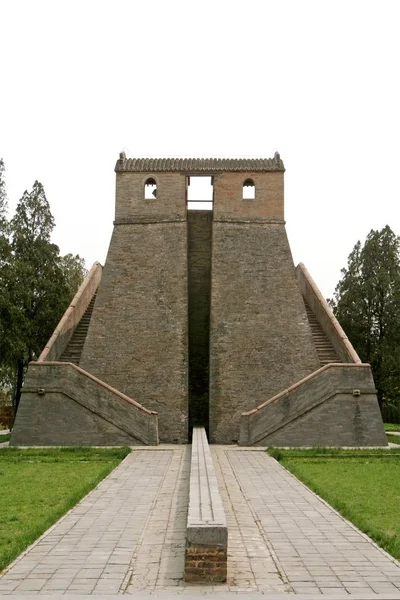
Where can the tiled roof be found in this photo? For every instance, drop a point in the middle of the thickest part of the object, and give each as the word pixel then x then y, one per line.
pixel 197 165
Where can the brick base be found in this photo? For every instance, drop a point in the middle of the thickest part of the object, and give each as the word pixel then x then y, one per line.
pixel 205 565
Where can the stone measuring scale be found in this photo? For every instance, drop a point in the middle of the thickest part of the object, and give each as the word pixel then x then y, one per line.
pixel 198 318
pixel 207 532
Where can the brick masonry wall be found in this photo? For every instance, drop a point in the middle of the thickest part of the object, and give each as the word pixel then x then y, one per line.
pixel 72 408
pixel 321 411
pixel 199 273
pixel 137 338
pixel 260 340
pixel 205 564
pixel 228 193
pixel 56 420
pixel 344 420
pixel 169 204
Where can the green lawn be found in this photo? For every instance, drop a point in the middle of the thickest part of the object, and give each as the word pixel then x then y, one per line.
pixel 5 437
pixel 392 426
pixel 37 486
pixel 363 485
pixel 395 439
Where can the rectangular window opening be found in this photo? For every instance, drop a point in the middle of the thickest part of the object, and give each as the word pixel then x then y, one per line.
pixel 199 192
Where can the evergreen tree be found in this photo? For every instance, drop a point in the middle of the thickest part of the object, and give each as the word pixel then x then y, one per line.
pixel 4 245
pixel 38 284
pixel 3 197
pixel 367 304
pixel 73 268
pixel 5 256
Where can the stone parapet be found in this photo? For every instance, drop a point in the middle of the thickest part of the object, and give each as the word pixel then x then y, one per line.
pixel 207 532
pixel 331 326
pixel 62 404
pixel 66 327
pixel 334 406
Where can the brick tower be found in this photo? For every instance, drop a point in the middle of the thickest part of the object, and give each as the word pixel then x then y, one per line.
pixel 198 314
pixel 199 318
pixel 260 340
pixel 137 339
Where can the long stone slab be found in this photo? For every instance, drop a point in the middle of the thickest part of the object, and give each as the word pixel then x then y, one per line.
pixel 207 532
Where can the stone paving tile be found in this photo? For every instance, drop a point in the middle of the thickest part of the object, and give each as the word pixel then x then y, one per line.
pixel 158 563
pixel 313 545
pixel 251 565
pixel 91 548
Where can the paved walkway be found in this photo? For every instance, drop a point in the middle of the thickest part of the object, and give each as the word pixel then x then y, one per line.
pixel 128 535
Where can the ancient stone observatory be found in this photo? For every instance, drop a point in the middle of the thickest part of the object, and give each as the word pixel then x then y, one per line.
pixel 199 318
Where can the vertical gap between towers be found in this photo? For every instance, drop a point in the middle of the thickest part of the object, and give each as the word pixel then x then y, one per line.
pixel 200 192
pixel 199 219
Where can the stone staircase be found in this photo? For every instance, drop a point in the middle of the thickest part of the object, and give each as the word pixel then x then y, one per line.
pixel 325 350
pixel 73 351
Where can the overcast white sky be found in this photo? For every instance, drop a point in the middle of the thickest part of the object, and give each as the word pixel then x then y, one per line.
pixel 316 80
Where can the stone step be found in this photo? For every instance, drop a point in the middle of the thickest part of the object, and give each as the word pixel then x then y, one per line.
pixel 325 351
pixel 73 352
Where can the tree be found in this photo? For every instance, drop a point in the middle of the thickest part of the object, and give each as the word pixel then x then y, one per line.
pixel 4 243
pixel 367 304
pixel 5 254
pixel 38 284
pixel 3 198
pixel 73 268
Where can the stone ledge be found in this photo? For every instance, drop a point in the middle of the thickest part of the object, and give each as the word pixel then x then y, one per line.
pixel 149 220
pixel 207 532
pixel 236 220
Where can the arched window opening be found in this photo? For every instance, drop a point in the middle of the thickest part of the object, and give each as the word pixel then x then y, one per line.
pixel 150 189
pixel 249 190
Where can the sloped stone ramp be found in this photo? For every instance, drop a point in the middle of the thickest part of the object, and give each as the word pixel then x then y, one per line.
pixel 128 537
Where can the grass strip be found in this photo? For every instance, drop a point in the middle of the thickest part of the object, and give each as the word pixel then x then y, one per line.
pixel 394 439
pixel 38 486
pixel 364 488
pixel 5 437
pixel 392 426
pixel 333 452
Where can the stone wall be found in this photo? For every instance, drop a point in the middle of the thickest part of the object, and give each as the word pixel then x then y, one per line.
pixel 268 203
pixel 335 406
pixel 131 204
pixel 63 405
pixel 260 341
pixel 137 338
